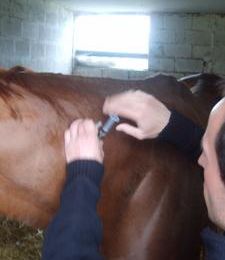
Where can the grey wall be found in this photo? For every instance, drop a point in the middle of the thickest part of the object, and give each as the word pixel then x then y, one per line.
pixel 36 34
pixel 178 6
pixel 39 34
pixel 180 44
pixel 188 43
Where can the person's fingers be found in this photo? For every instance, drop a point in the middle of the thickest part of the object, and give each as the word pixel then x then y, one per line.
pixel 130 130
pixel 87 128
pixel 81 129
pixel 74 128
pixel 67 137
pixel 90 126
pixel 121 105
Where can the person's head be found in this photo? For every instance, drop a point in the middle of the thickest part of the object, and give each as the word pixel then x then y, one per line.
pixel 212 160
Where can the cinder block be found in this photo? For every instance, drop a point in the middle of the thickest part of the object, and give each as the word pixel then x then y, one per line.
pixel 30 30
pixel 219 38
pixel 22 48
pixel 37 50
pixel 177 22
pixel 53 7
pixel 19 9
pixel 139 75
pixel 156 50
pixel 219 67
pixel 208 66
pixel 7 47
pixel 219 53
pixel 36 10
pixel 7 63
pixel 161 64
pixel 4 7
pixel 52 18
pixel 157 21
pixel 198 38
pixel 51 51
pixel 188 65
pixel 4 62
pixel 87 72
pixel 202 52
pixel 177 50
pixel 203 22
pixel 219 23
pixel 11 27
pixel 35 64
pixel 162 36
pixel 64 34
pixel 48 33
pixel 65 51
pixel 52 13
pixel 180 37
pixel 48 66
pixel 63 67
pixel 115 74
pixel 18 61
pixel 39 65
pixel 65 16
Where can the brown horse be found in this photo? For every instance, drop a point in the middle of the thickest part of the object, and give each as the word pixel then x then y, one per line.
pixel 151 204
pixel 208 88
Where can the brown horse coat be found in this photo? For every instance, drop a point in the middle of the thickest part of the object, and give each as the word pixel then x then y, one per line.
pixel 151 204
pixel 208 88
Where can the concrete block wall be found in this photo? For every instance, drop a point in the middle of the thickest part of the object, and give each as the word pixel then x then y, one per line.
pixel 180 44
pixel 36 34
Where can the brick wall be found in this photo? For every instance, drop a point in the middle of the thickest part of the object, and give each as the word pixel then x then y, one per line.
pixel 39 34
pixel 186 44
pixel 36 34
pixel 180 44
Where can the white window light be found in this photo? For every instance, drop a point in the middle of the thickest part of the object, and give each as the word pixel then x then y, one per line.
pixel 116 41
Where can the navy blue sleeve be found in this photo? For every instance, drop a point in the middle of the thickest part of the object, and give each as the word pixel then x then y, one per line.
pixel 183 133
pixel 76 231
pixel 214 244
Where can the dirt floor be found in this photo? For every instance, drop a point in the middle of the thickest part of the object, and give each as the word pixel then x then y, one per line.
pixel 19 242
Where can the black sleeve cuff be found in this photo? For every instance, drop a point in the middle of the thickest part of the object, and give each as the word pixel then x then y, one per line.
pixel 183 133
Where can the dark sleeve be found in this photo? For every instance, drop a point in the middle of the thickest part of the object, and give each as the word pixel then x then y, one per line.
pixel 76 231
pixel 183 133
pixel 214 244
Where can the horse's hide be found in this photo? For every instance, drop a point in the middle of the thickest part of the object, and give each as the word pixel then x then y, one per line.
pixel 208 88
pixel 151 204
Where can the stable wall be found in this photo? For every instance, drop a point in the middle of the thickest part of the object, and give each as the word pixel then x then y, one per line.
pixel 36 34
pixel 180 44
pixel 39 34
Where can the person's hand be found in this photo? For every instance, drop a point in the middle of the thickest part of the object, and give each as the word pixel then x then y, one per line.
pixel 82 142
pixel 149 114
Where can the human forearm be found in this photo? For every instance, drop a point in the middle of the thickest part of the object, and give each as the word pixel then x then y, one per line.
pixel 76 231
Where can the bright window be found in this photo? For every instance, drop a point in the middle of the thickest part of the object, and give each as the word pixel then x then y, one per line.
pixel 115 41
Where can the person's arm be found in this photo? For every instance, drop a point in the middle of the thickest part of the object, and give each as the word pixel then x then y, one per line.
pixel 154 120
pixel 183 133
pixel 76 232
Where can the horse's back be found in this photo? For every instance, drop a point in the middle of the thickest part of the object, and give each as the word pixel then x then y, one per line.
pixel 151 204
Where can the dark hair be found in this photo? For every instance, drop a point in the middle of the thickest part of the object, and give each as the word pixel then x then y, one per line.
pixel 220 150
